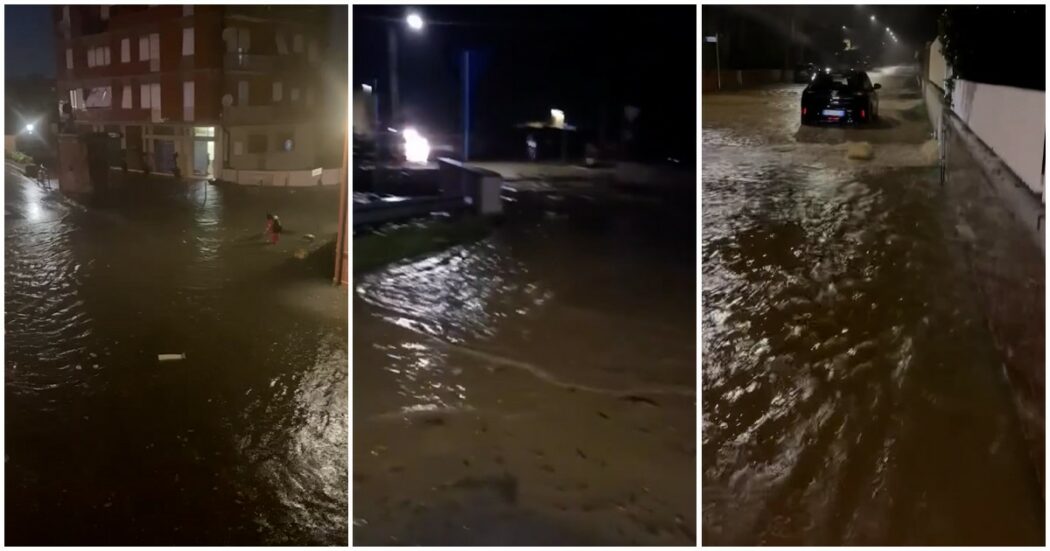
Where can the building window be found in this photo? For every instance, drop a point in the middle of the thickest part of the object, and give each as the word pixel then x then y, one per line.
pixel 99 98
pixel 154 46
pixel 295 94
pixel 149 96
pixel 143 48
pixel 125 50
pixel 103 12
pixel 187 41
pixel 97 57
pixel 242 92
pixel 204 131
pixel 257 143
pixel 297 44
pixel 278 91
pixel 125 97
pixel 187 100
pixel 76 98
pixel 69 58
pixel 286 141
pixel 238 40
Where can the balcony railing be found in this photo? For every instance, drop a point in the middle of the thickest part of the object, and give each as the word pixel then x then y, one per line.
pixel 265 114
pixel 249 62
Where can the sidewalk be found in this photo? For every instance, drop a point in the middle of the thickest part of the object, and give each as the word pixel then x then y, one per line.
pixel 616 173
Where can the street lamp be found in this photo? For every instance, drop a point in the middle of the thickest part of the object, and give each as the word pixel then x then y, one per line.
pixel 29 128
pixel 415 22
pixel 873 19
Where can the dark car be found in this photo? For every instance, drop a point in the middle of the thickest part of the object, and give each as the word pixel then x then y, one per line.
pixel 804 72
pixel 839 98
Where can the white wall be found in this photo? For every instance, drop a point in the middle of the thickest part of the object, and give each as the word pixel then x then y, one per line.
pixel 938 67
pixel 283 178
pixel 1011 121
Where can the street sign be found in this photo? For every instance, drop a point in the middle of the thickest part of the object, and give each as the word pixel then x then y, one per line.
pixel 711 39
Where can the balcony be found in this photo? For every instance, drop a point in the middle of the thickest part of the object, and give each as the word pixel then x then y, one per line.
pixel 249 62
pixel 233 61
pixel 266 114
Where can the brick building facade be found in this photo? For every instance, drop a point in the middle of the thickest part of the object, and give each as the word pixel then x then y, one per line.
pixel 212 88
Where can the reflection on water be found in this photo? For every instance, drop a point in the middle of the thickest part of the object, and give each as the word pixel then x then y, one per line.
pixel 852 394
pixel 535 387
pixel 244 442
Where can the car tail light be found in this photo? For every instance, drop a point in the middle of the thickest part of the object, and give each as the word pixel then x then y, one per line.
pixel 862 114
pixel 803 110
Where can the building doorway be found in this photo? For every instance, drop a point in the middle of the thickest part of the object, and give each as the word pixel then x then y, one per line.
pixel 164 156
pixel 203 154
pixel 204 151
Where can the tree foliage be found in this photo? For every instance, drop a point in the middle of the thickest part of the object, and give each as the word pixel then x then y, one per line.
pixel 995 44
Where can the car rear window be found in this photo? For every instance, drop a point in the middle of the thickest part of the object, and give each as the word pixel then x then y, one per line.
pixel 836 82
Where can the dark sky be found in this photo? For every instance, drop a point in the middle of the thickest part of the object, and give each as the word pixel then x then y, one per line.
pixel 29 43
pixel 585 60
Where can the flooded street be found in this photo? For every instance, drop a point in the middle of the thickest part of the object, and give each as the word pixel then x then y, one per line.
pixel 535 387
pixel 852 392
pixel 244 442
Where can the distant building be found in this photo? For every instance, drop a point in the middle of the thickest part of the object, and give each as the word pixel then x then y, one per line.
pixel 229 89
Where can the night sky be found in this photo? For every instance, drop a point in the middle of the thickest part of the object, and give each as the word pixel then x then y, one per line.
pixel 588 61
pixel 29 42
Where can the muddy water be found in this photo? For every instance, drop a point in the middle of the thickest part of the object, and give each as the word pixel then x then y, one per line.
pixel 851 391
pixel 536 387
pixel 244 442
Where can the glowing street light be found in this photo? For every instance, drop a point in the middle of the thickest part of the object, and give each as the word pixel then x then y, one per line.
pixel 415 22
pixel 417 148
pixel 558 118
pixel 29 128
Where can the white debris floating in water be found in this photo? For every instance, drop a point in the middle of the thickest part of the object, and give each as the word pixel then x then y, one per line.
pixel 170 357
pixel 859 150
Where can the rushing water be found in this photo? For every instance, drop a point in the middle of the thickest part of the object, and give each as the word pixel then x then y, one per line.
pixel 243 442
pixel 852 393
pixel 537 386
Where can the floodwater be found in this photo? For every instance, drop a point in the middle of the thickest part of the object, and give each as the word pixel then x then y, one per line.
pixel 243 442
pixel 852 393
pixel 535 387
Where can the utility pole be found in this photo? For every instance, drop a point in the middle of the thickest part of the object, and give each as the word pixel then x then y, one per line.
pixel 391 35
pixel 466 105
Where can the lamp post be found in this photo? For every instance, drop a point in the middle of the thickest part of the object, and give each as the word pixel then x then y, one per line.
pixel 414 22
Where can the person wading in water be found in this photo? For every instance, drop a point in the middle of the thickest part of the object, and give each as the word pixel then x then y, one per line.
pixel 273 228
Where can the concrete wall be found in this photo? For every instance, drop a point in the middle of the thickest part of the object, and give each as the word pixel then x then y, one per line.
pixel 1011 121
pixel 283 178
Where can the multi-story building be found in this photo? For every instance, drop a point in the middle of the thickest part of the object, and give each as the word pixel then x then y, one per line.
pixel 216 89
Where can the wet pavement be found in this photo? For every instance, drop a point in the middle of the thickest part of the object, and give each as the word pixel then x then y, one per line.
pixel 852 391
pixel 535 387
pixel 244 442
